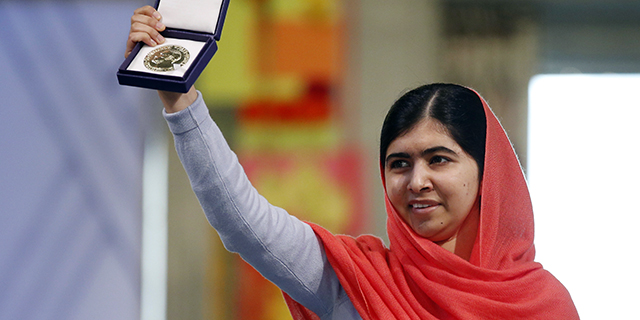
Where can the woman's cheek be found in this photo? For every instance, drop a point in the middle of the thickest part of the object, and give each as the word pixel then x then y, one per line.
pixel 394 189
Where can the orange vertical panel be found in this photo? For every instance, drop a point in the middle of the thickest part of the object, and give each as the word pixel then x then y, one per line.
pixel 312 50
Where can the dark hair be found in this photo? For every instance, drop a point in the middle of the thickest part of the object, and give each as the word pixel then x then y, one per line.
pixel 458 108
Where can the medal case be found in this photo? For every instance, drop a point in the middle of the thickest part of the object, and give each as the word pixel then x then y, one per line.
pixel 195 25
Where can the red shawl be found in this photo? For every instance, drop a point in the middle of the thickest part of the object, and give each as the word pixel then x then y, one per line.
pixel 417 279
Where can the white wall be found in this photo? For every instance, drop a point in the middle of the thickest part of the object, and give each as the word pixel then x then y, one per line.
pixel 584 177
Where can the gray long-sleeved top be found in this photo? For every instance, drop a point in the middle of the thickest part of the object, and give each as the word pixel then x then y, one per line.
pixel 282 248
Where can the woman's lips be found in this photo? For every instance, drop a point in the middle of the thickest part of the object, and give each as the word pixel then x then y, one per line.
pixel 423 206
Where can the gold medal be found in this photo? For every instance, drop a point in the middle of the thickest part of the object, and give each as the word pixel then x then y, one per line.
pixel 166 57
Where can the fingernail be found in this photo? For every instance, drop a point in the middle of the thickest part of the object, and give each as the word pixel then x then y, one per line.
pixel 159 26
pixel 153 43
pixel 160 38
pixel 157 15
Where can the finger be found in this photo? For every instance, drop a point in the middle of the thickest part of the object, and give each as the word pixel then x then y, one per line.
pixel 148 11
pixel 147 20
pixel 145 37
pixel 141 37
pixel 139 30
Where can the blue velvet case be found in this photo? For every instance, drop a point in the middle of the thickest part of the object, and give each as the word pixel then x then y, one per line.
pixel 154 80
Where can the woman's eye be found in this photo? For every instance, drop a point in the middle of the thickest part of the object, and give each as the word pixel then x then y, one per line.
pixel 439 160
pixel 398 164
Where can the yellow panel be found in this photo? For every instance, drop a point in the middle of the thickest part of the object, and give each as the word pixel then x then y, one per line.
pixel 297 187
pixel 231 75
pixel 280 87
pixel 277 138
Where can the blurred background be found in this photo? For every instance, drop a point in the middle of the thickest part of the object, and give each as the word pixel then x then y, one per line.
pixel 98 218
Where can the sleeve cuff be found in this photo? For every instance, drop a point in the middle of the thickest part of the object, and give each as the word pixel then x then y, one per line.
pixel 189 118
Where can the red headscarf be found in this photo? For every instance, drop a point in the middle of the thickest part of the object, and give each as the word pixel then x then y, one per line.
pixel 417 279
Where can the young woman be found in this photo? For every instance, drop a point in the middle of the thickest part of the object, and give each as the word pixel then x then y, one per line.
pixel 459 216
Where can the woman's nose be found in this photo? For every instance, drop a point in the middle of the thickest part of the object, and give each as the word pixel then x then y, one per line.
pixel 420 179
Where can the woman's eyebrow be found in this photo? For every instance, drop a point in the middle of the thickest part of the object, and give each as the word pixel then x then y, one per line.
pixel 438 149
pixel 404 155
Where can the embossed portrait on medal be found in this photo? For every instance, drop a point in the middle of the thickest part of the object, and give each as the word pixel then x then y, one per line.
pixel 166 57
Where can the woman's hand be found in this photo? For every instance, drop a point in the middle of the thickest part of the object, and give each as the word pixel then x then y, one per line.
pixel 146 26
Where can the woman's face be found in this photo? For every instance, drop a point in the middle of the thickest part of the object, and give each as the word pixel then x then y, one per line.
pixel 431 182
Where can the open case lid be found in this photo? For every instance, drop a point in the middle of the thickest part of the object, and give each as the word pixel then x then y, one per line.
pixel 205 16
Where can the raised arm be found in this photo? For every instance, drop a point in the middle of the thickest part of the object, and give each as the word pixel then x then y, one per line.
pixel 282 248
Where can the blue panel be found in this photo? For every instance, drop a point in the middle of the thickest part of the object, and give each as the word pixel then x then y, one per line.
pixel 70 163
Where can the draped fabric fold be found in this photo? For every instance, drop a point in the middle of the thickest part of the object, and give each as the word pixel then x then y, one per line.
pixel 417 279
